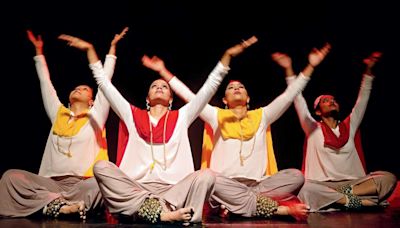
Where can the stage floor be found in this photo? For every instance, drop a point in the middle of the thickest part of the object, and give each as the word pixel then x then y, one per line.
pixel 388 218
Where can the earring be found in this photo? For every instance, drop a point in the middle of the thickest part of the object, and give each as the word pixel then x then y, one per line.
pixel 69 105
pixel 248 106
pixel 147 105
pixel 170 106
pixel 226 106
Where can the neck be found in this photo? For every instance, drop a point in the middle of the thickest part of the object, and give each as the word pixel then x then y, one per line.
pixel 240 111
pixel 330 121
pixel 158 111
pixel 79 107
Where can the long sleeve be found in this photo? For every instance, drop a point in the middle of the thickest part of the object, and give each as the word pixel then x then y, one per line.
pixel 206 92
pixel 49 95
pixel 308 123
pixel 101 106
pixel 118 103
pixel 280 104
pixel 109 66
pixel 208 114
pixel 359 108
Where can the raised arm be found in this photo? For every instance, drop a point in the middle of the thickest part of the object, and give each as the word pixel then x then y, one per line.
pixel 50 99
pixel 307 122
pixel 111 57
pixel 208 113
pixel 359 108
pixel 278 106
pixel 81 45
pixel 101 104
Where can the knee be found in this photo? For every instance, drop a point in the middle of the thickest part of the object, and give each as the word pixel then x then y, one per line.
pixel 297 176
pixel 13 174
pixel 207 177
pixel 388 178
pixel 99 165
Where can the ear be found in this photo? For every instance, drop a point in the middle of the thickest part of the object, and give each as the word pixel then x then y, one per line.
pixel 248 100
pixel 225 101
pixel 91 102
pixel 171 100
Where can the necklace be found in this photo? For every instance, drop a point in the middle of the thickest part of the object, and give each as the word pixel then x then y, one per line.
pixel 62 151
pixel 155 161
pixel 59 149
pixel 245 157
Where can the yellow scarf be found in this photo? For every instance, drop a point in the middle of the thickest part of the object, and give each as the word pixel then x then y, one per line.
pixel 63 128
pixel 66 128
pixel 242 130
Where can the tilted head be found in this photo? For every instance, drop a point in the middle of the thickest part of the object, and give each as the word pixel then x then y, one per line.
pixel 235 94
pixel 83 94
pixel 326 106
pixel 159 93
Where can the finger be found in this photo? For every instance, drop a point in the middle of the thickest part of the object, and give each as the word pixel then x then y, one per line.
pixel 30 34
pixel 124 31
pixel 252 40
pixel 247 43
pixel 226 211
pixel 65 37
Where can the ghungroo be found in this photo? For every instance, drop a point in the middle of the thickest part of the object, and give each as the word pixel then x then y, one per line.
pixel 354 202
pixel 150 210
pixel 345 189
pixel 266 206
pixel 53 208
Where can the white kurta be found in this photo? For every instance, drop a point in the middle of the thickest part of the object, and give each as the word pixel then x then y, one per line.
pixel 225 157
pixel 326 164
pixel 87 143
pixel 137 158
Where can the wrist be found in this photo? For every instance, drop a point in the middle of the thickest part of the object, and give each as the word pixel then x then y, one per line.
pixel 164 73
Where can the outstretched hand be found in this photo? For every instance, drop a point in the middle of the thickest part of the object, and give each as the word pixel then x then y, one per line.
pixel 36 41
pixel 119 36
pixel 236 50
pixel 317 55
pixel 76 42
pixel 153 63
pixel 239 48
pixel 282 59
pixel 371 60
pixel 157 64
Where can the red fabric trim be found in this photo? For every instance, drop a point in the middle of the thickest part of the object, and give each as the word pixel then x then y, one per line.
pixel 303 165
pixel 331 140
pixel 141 119
pixel 357 143
pixel 360 151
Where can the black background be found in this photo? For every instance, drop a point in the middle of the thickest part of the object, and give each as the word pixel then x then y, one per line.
pixel 191 36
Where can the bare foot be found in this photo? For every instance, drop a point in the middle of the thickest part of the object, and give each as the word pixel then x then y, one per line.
pixel 223 213
pixel 76 207
pixel 299 211
pixel 368 203
pixel 179 215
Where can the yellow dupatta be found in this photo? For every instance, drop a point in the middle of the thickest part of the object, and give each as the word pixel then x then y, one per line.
pixel 63 127
pixel 245 130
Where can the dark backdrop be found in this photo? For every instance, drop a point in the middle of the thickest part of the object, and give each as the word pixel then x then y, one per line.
pixel 191 37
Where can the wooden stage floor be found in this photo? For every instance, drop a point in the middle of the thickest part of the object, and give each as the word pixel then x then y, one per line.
pixel 388 218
